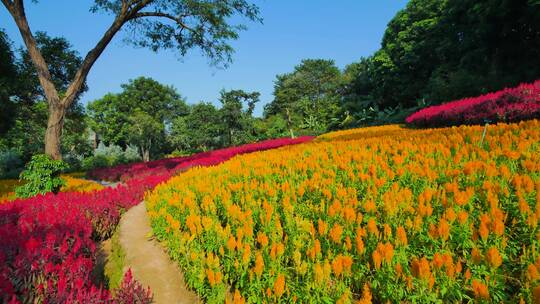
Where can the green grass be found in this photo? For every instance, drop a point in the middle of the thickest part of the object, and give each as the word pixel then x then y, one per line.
pixel 114 268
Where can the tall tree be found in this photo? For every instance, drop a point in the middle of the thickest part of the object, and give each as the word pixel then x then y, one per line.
pixel 436 51
pixel 145 132
pixel 27 111
pixel 200 130
pixel 309 96
pixel 238 122
pixel 142 103
pixel 157 24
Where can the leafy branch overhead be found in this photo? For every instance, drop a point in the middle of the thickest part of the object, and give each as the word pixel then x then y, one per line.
pixel 182 25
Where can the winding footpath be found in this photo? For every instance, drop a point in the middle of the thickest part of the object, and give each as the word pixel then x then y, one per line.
pixel 149 263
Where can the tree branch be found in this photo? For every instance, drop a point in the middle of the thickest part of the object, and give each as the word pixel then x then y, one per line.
pixel 9 5
pixel 177 20
pixel 94 54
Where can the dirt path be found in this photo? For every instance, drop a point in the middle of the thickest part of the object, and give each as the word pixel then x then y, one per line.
pixel 148 261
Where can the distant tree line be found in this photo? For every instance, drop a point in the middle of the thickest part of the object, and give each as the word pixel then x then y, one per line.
pixel 432 51
pixel 156 119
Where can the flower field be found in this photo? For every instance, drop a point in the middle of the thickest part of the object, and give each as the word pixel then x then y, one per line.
pixel 178 164
pixel 508 105
pixel 381 214
pixel 48 248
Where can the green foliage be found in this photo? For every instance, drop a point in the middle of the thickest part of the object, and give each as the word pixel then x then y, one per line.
pixel 42 175
pixel 10 164
pixel 8 72
pixel 114 267
pixel 145 132
pixel 199 130
pixel 23 111
pixel 443 50
pixel 309 96
pixel 106 156
pixel 272 127
pixel 63 62
pixel 139 115
pixel 209 25
pixel 237 121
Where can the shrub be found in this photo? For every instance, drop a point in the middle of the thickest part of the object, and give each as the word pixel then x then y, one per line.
pixel 131 154
pixel 42 175
pixel 74 161
pixel 10 164
pixel 508 105
pixel 107 156
pixel 93 162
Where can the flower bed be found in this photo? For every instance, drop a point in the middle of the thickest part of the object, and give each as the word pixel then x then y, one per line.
pixel 48 246
pixel 172 165
pixel 392 216
pixel 508 105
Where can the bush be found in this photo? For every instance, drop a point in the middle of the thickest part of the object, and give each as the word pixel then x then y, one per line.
pixel 93 162
pixel 508 105
pixel 131 154
pixel 42 175
pixel 74 161
pixel 113 153
pixel 108 156
pixel 10 164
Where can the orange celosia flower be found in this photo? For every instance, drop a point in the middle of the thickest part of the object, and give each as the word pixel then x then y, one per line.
pixel 401 236
pixel 443 229
pixel 536 294
pixel 532 272
pixel 480 290
pixel 494 257
pixel 360 248
pixel 318 273
pixel 476 256
pixel 377 259
pixel 420 268
pixel 399 269
pixel 279 285
pixel 369 206
pixel 372 227
pixel 348 243
pixel 337 266
pixel 462 217
pixel 366 295
pixel 322 227
pixel 262 239
pixel 483 231
pixel 237 298
pixel 335 233
pixel 231 243
pixel 259 264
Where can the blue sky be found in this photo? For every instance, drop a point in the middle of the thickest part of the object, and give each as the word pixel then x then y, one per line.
pixel 292 30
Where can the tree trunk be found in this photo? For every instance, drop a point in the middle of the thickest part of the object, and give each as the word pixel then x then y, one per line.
pixel 53 133
pixel 289 122
pixel 146 155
